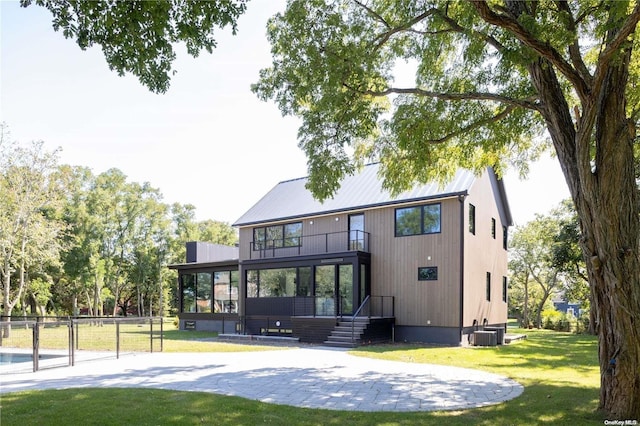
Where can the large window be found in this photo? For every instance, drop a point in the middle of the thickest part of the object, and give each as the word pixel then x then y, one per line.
pixel 225 290
pixel 204 292
pixel 418 220
pixel 280 282
pixel 188 292
pixel 277 236
pixel 277 282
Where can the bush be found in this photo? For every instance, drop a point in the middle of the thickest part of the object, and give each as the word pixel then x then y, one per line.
pixel 558 321
pixel 549 318
pixel 582 323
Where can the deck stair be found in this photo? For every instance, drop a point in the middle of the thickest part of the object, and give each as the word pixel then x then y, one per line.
pixel 348 332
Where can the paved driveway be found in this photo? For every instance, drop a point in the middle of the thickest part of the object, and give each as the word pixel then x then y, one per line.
pixel 302 377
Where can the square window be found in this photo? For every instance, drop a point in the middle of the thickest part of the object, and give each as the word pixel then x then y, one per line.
pixel 428 273
pixel 408 221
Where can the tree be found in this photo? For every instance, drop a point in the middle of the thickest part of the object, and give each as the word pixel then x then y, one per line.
pixel 79 258
pixel 29 235
pixel 490 79
pixel 533 262
pixel 567 256
pixel 138 36
pixel 217 232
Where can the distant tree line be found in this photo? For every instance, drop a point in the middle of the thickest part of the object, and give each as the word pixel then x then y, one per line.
pixel 72 242
pixel 546 263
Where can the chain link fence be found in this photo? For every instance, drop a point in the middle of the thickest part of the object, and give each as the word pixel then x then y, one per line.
pixel 43 342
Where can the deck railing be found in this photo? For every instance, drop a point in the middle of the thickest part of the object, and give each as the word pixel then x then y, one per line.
pixel 317 306
pixel 332 242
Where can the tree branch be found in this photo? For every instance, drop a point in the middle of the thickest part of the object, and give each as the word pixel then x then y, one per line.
pixel 381 39
pixel 545 50
pixel 373 13
pixel 613 46
pixel 455 26
pixel 477 96
pixel 574 48
pixel 474 125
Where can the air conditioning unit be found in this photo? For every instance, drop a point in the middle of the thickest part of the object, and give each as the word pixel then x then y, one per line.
pixel 499 333
pixel 485 338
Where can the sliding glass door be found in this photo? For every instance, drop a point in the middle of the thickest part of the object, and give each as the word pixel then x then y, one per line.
pixel 332 280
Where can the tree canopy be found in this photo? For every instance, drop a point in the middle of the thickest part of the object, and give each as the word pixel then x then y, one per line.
pixel 470 102
pixel 492 83
pixel 72 241
pixel 138 37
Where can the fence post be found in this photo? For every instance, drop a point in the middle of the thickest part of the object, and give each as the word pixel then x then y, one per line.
pixel 151 332
pixel 36 345
pixel 161 335
pixel 71 344
pixel 117 339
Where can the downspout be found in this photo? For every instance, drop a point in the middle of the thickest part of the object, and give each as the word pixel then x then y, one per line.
pixel 461 199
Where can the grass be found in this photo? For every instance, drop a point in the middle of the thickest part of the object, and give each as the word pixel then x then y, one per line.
pixel 559 372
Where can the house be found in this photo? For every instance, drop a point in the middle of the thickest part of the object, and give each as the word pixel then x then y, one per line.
pixel 572 309
pixel 428 265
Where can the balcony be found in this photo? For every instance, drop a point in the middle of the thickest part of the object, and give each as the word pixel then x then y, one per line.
pixel 305 245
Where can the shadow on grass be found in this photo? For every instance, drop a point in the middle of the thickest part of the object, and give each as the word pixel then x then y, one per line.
pixel 89 406
pixel 542 350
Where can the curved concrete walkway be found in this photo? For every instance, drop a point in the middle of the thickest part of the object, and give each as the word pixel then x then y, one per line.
pixel 303 377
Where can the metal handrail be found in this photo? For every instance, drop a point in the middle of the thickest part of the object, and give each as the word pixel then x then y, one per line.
pixel 353 318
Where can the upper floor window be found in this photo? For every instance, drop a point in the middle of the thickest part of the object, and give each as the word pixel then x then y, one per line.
pixel 472 219
pixel 418 220
pixel 277 236
pixel 356 232
pixel 505 237
pixel 493 228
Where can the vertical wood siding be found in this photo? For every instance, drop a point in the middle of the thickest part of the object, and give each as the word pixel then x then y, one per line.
pixel 484 254
pixel 395 262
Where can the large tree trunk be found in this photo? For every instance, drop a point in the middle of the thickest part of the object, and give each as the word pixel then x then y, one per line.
pixel 611 247
pixel 596 156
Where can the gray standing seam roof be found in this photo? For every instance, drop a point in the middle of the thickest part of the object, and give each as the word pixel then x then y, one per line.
pixel 290 199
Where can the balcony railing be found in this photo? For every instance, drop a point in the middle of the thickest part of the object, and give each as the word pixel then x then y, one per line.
pixel 333 242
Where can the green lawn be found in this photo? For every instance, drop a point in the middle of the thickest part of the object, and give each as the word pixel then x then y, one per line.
pixel 559 372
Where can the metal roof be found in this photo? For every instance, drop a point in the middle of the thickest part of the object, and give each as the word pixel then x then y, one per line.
pixel 290 199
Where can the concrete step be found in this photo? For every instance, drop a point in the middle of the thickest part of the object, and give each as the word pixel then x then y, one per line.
pixel 340 344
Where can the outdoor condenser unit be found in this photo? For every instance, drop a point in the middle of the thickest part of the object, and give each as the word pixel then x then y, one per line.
pixel 485 338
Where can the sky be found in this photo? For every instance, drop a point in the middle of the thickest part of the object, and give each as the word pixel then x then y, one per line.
pixel 209 141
